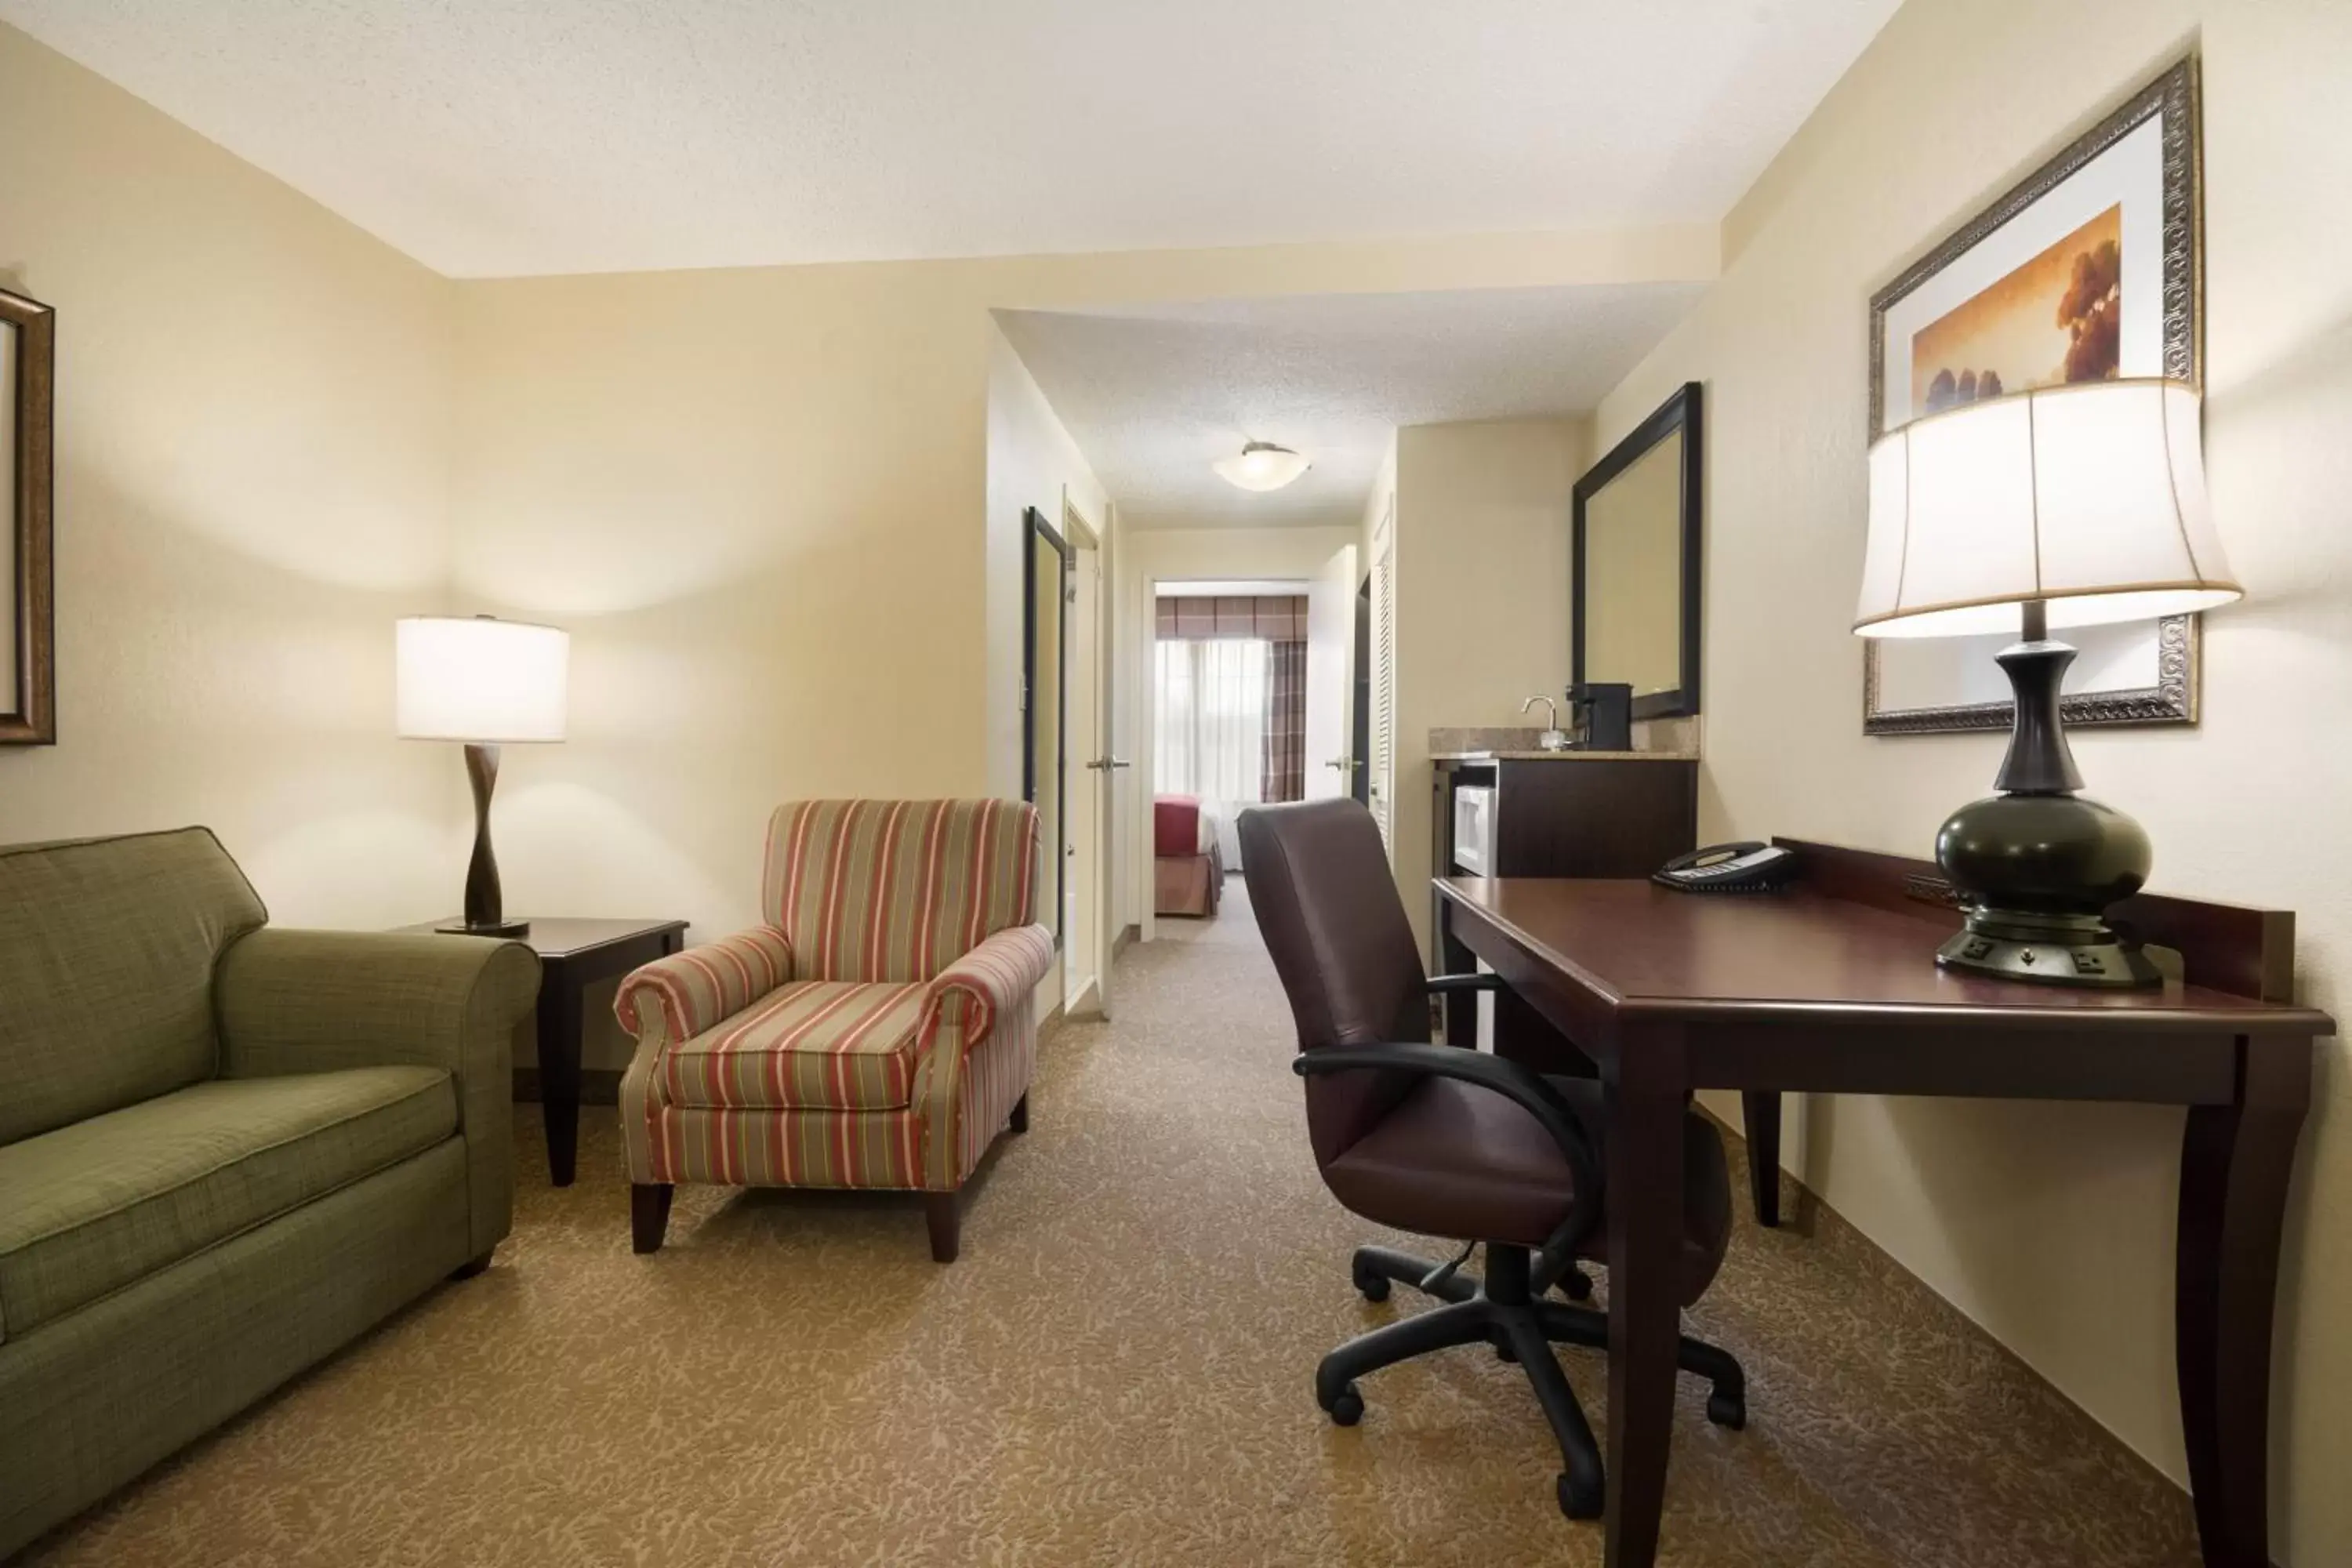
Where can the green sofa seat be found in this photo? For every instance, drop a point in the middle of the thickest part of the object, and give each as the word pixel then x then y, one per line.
pixel 93 1208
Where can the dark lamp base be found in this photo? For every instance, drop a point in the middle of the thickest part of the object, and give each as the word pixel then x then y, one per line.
pixel 488 928
pixel 2052 949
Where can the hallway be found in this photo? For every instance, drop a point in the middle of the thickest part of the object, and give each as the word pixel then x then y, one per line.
pixel 1116 1373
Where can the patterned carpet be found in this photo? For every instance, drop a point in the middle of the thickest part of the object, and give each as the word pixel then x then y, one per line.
pixel 1117 1372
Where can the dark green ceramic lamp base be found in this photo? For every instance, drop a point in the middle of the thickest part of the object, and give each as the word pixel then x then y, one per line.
pixel 2037 865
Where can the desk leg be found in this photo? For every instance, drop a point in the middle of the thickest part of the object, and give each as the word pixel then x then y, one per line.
pixel 1760 1115
pixel 2234 1164
pixel 559 1071
pixel 1459 1010
pixel 1644 1090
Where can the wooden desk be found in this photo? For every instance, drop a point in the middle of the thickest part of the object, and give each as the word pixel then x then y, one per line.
pixel 1831 988
pixel 573 954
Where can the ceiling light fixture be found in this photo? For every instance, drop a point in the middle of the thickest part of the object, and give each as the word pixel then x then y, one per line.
pixel 1263 466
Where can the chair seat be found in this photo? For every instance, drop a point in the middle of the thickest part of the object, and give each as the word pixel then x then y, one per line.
pixel 1453 1159
pixel 813 1044
pixel 91 1207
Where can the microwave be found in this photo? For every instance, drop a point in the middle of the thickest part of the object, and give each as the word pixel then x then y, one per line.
pixel 1474 829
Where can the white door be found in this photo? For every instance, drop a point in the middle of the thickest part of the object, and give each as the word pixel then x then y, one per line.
pixel 1330 682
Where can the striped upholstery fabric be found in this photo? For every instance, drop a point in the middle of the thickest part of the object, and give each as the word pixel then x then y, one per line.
pixel 690 992
pixel 877 890
pixel 899 1029
pixel 815 1044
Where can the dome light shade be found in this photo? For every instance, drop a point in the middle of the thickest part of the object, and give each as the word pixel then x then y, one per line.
pixel 1263 466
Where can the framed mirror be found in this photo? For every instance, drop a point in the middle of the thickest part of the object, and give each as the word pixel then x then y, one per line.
pixel 27 631
pixel 2088 270
pixel 1634 564
pixel 1045 695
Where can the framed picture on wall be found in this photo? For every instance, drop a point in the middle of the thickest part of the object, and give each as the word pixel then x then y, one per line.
pixel 27 630
pixel 2089 269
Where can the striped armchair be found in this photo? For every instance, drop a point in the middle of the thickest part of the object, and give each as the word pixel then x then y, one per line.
pixel 876 1032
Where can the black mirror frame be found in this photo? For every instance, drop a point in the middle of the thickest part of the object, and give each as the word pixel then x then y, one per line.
pixel 1681 412
pixel 28 710
pixel 1054 833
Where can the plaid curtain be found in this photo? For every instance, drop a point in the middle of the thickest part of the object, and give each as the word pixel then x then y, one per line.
pixel 1274 618
pixel 1285 720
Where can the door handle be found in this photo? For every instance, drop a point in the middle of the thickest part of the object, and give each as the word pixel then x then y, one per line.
pixel 1102 764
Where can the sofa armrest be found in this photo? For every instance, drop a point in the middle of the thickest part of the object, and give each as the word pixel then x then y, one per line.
pixel 678 996
pixel 968 996
pixel 316 1001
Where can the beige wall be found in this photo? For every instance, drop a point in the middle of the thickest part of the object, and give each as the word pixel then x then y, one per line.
pixel 252 483
pixel 2051 1224
pixel 1482 537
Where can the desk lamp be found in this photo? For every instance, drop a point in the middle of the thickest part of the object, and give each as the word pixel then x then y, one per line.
pixel 2066 506
pixel 482 681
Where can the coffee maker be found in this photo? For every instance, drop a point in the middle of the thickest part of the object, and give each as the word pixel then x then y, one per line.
pixel 1601 716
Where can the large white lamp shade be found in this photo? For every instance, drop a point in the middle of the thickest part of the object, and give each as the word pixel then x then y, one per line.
pixel 480 680
pixel 2088 499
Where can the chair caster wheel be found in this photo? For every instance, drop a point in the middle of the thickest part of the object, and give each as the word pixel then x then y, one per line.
pixel 1729 1410
pixel 1576 1285
pixel 1373 1287
pixel 1581 1500
pixel 1347 1407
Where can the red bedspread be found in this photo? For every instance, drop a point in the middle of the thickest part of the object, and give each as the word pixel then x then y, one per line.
pixel 1175 825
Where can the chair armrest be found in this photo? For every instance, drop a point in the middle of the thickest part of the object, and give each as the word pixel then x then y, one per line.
pixel 679 996
pixel 968 995
pixel 314 1001
pixel 1521 1085
pixel 1443 984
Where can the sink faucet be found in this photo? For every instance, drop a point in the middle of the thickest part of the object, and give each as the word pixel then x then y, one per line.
pixel 1552 739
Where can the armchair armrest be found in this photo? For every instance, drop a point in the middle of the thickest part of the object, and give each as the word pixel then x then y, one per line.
pixel 1521 1085
pixel 676 997
pixel 1450 984
pixel 968 995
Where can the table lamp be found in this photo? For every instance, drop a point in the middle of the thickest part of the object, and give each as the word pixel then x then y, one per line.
pixel 485 682
pixel 2066 506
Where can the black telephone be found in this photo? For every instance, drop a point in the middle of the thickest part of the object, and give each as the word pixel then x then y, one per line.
pixel 1744 867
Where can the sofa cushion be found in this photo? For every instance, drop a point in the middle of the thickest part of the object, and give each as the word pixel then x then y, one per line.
pixel 89 1208
pixel 107 948
pixel 812 1045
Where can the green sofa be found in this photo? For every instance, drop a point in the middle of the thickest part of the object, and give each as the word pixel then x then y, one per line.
pixel 225 1149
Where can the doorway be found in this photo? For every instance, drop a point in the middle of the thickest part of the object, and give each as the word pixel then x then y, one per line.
pixel 1088 784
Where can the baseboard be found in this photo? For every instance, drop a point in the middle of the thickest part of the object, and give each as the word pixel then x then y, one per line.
pixel 598 1086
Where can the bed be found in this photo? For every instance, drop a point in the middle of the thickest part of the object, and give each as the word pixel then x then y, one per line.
pixel 1188 865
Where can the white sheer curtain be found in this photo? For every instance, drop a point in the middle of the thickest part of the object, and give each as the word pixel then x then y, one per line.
pixel 1209 729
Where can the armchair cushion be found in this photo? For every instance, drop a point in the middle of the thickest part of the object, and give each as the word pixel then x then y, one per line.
pixel 690 992
pixel 93 1208
pixel 896 890
pixel 812 1045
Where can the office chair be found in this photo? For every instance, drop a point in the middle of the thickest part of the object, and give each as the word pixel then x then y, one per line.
pixel 1452 1142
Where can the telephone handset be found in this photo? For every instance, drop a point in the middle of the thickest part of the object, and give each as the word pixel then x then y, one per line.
pixel 1745 868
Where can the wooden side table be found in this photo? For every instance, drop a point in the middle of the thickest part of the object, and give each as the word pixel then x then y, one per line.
pixel 573 954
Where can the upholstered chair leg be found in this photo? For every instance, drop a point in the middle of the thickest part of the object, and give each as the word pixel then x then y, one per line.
pixel 648 1215
pixel 1020 1114
pixel 945 1216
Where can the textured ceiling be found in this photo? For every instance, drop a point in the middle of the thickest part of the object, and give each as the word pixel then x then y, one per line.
pixel 1154 395
pixel 499 137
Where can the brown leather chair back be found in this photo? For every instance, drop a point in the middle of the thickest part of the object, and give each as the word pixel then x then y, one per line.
pixel 1320 884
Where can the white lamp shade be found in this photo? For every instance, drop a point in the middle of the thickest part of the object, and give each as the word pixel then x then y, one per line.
pixel 1261 466
pixel 2090 498
pixel 480 679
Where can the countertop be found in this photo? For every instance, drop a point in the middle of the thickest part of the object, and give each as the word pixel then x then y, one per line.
pixel 1563 756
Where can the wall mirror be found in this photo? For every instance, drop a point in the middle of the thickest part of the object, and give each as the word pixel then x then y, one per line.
pixel 1634 564
pixel 28 650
